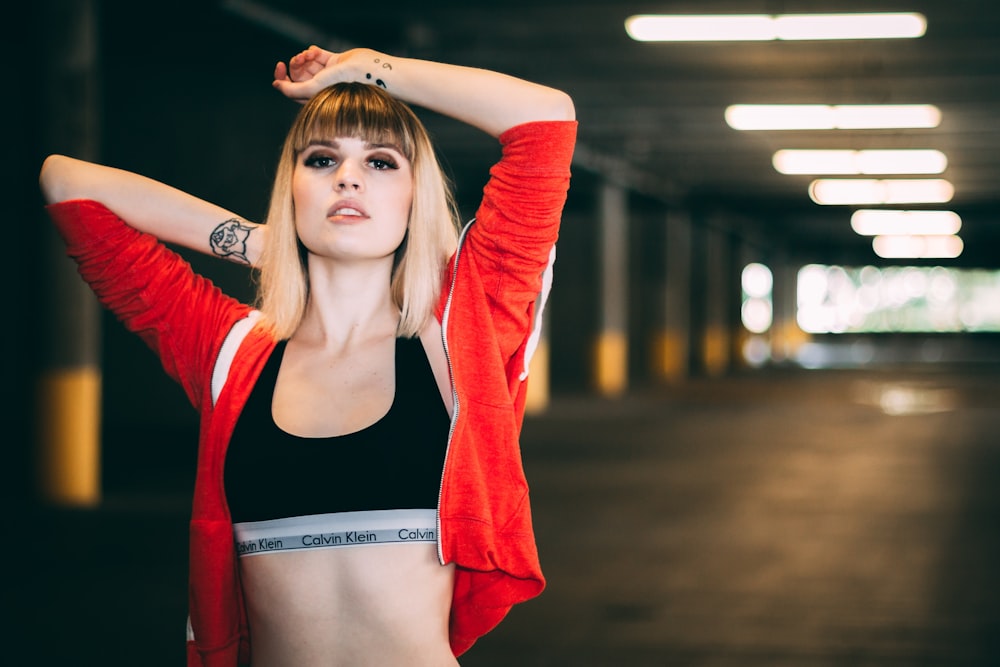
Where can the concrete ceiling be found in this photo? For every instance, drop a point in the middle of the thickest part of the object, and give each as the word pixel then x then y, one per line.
pixel 652 114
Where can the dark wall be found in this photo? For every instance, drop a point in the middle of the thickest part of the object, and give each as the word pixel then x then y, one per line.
pixel 19 271
pixel 185 98
pixel 573 306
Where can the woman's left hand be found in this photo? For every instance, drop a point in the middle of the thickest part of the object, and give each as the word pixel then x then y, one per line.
pixel 311 70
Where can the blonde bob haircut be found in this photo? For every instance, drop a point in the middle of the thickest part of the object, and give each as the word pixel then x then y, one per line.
pixel 365 112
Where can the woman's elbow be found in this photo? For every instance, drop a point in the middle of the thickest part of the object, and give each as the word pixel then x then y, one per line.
pixel 54 178
pixel 561 106
pixel 568 107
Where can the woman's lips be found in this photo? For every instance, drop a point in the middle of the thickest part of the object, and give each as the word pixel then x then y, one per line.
pixel 349 211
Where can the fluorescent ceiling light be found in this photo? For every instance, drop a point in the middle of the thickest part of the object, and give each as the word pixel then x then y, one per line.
pixel 889 191
pixel 876 222
pixel 831 117
pixel 764 27
pixel 859 162
pixel 918 247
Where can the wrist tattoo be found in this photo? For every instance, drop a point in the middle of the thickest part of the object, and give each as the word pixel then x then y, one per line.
pixel 383 65
pixel 229 240
pixel 378 82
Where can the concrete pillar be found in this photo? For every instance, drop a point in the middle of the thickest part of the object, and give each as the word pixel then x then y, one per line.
pixel 611 348
pixel 786 336
pixel 717 333
pixel 69 387
pixel 673 343
pixel 743 254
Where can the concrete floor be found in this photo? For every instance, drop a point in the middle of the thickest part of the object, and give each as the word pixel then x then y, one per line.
pixel 801 519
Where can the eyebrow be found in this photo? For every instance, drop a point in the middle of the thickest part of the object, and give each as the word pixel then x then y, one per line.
pixel 368 145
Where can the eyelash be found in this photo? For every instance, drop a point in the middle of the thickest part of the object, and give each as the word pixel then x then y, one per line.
pixel 315 159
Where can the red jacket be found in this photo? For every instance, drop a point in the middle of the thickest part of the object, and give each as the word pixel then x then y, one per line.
pixel 487 311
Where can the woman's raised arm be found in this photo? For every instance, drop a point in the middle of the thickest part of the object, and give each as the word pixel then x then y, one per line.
pixel 167 213
pixel 491 101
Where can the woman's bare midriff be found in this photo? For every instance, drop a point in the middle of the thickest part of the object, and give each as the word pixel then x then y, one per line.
pixel 385 605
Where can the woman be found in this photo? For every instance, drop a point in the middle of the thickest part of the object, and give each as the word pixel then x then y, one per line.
pixel 359 497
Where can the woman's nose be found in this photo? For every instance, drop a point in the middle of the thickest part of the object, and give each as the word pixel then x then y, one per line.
pixel 348 177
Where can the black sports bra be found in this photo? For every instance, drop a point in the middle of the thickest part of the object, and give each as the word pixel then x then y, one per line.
pixel 396 463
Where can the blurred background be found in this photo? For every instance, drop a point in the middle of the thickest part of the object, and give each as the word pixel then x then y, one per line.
pixel 763 422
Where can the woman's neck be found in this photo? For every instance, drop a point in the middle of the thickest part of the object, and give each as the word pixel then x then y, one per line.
pixel 348 303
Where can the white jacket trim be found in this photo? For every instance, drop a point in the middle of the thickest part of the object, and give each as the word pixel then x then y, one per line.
pixel 228 352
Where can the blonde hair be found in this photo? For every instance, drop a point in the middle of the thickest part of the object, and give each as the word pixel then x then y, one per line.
pixel 368 113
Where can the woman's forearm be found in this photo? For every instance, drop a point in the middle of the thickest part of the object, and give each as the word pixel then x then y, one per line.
pixel 169 214
pixel 491 101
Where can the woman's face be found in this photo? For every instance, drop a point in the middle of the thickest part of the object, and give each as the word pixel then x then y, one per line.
pixel 352 199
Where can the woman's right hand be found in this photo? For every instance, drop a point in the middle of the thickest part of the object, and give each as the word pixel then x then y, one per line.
pixel 313 69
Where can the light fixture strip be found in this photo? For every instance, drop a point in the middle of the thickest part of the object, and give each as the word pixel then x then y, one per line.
pixel 832 117
pixel 867 192
pixel 881 222
pixel 852 162
pixel 765 27
pixel 918 247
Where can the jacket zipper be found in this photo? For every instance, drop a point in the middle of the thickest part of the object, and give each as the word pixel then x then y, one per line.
pixel 451 377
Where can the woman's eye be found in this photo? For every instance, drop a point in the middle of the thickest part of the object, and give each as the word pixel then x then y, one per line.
pixel 318 161
pixel 380 164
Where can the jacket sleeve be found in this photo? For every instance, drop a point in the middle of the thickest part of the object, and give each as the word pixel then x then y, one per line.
pixel 517 223
pixel 182 316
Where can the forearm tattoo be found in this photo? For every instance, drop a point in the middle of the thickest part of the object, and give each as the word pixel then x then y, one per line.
pixel 229 240
pixel 383 65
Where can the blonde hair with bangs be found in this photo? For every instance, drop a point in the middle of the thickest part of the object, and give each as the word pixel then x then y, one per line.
pixel 368 113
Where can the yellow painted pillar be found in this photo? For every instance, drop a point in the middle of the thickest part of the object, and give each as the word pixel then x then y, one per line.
pixel 715 350
pixel 537 399
pixel 715 337
pixel 68 393
pixel 69 435
pixel 671 345
pixel 610 363
pixel 787 338
pixel 670 356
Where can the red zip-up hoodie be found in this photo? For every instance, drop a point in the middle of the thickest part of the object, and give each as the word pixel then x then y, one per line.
pixel 210 344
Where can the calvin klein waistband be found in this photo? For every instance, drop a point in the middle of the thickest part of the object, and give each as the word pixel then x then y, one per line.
pixel 338 530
